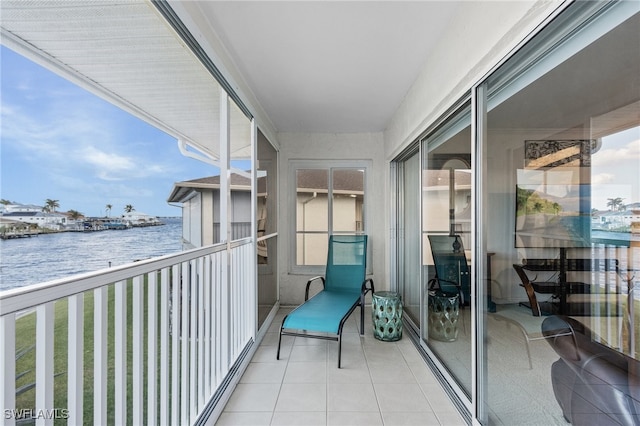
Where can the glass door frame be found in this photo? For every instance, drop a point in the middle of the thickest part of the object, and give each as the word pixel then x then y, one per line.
pixel 457 394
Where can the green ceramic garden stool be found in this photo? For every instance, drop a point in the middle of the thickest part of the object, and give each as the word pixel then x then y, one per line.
pixel 386 313
pixel 444 311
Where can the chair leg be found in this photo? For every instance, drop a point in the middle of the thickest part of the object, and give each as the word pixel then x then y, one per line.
pixel 339 348
pixel 280 339
pixel 362 315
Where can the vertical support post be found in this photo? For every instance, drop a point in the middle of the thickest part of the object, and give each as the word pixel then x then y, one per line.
pixel 152 342
pixel 75 360
pixel 225 174
pixel 8 371
pixel 193 337
pixel 176 307
pixel 253 274
pixel 120 336
pixel 479 368
pixel 164 347
pixel 225 166
pixel 201 329
pixel 100 297
pixel 184 348
pixel 207 309
pixel 44 361
pixel 137 367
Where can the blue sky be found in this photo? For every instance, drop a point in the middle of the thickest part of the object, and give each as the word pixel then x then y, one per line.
pixel 61 142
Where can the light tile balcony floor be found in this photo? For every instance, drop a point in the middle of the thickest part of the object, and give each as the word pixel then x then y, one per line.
pixel 380 383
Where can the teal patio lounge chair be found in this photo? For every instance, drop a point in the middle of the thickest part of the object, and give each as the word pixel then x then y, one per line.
pixel 345 286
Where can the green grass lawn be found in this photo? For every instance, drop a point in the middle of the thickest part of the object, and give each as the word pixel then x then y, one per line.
pixel 26 353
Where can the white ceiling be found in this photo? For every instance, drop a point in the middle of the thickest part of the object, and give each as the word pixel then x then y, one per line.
pixel 336 67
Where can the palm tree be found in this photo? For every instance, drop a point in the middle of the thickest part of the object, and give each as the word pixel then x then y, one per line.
pixel 128 208
pixel 108 207
pixel 615 204
pixel 74 214
pixel 51 205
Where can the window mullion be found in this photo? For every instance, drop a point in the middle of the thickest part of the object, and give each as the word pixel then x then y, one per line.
pixel 330 203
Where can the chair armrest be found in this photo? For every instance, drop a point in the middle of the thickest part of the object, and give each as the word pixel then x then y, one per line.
pixel 366 289
pixel 306 292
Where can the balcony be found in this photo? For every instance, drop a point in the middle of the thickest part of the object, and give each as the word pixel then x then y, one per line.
pixel 379 383
pixel 163 341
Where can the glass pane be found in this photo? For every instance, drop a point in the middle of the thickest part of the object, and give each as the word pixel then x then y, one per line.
pixel 312 249
pixel 240 150
pixel 348 200
pixel 267 226
pixel 446 221
pixel 560 196
pixel 409 244
pixel 312 207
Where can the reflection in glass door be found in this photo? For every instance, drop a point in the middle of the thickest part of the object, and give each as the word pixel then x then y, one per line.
pixel 434 210
pixel 409 236
pixel 446 245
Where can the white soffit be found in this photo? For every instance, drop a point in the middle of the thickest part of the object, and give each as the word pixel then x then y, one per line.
pixel 125 52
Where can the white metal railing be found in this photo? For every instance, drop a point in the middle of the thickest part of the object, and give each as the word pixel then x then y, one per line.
pixel 150 342
pixel 617 281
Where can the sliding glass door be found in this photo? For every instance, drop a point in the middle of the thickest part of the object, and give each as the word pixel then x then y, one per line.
pixel 409 235
pixel 559 201
pixel 446 244
pixel 434 207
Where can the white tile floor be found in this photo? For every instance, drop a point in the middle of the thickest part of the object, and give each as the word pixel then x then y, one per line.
pixel 380 383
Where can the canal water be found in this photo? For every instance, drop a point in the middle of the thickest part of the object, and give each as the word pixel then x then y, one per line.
pixel 41 258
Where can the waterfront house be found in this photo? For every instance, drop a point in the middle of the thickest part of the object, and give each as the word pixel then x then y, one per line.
pixel 136 218
pixel 200 203
pixel 53 221
pixel 512 105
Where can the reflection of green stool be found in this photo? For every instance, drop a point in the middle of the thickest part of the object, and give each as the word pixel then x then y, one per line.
pixel 444 310
pixel 386 313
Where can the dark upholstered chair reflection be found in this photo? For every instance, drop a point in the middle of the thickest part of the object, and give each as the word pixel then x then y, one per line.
pixel 593 383
pixel 452 270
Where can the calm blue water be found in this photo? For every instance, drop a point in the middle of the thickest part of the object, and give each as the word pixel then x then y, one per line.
pixel 27 261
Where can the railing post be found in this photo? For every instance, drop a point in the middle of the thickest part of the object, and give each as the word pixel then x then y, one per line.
pixel 152 341
pixel 176 306
pixel 201 328
pixel 184 346
pixel 164 347
pixel 8 371
pixel 137 367
pixel 193 337
pixel 208 282
pixel 44 362
pixel 120 336
pixel 100 299
pixel 75 361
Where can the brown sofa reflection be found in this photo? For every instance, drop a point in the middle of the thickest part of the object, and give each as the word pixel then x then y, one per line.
pixel 594 384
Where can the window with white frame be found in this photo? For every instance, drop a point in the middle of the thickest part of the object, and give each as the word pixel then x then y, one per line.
pixel 329 199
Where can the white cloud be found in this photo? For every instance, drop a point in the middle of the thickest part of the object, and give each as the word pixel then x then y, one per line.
pixel 67 141
pixel 602 178
pixel 108 166
pixel 613 157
